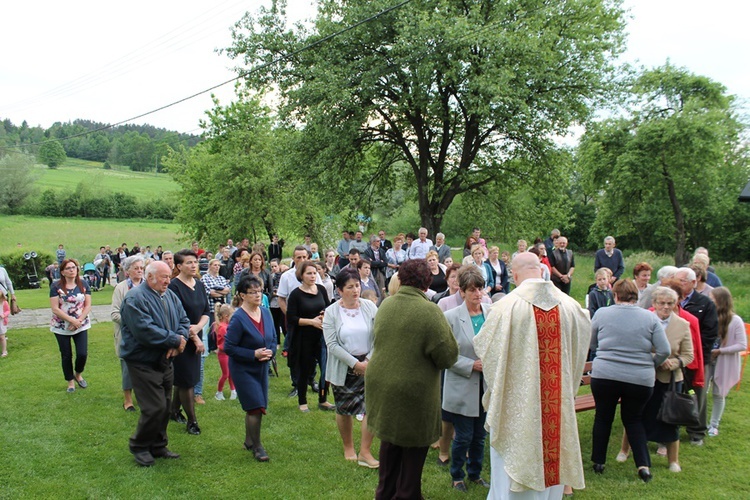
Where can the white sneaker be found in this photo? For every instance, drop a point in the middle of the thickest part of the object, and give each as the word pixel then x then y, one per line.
pixel 360 416
pixel 219 396
pixel 622 457
pixel 675 467
pixel 713 431
pixel 233 395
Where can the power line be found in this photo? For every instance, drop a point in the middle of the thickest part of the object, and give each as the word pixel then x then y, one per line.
pixel 241 75
pixel 144 54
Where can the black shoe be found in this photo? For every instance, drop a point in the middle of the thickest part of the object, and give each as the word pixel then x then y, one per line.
pixel 645 475
pixel 292 393
pixel 192 428
pixel 460 486
pixel 481 482
pixel 143 458
pixel 315 387
pixel 326 406
pixel 130 408
pixel 599 468
pixel 444 463
pixel 260 454
pixel 82 383
pixel 178 417
pixel 164 453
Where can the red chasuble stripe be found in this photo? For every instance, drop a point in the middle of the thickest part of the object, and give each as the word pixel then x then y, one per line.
pixel 550 382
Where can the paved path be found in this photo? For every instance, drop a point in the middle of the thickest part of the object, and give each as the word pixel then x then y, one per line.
pixel 31 318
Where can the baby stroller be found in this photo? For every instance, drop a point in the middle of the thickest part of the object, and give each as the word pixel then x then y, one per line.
pixel 92 276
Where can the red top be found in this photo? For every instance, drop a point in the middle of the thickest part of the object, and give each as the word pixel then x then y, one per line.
pixel 258 325
pixel 221 332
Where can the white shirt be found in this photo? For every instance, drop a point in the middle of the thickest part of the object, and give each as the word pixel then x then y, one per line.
pixel 289 282
pixel 419 249
pixel 354 333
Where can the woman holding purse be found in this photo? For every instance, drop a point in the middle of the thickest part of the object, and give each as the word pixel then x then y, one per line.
pixel 681 354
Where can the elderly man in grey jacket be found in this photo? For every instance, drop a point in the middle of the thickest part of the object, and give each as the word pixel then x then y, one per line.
pixel 154 330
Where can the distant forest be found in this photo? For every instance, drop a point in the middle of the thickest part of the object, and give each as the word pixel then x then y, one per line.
pixel 139 147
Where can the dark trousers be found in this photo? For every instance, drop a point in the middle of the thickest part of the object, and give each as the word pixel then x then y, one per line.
pixel 469 437
pixel 306 351
pixel 81 340
pixel 279 322
pixel 633 399
pixel 563 287
pixel 701 394
pixel 400 474
pixel 154 390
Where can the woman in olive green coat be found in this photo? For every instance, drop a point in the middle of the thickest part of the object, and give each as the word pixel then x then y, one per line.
pixel 412 344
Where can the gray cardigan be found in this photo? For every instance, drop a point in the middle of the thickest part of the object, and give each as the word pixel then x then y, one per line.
pixel 339 359
pixel 623 338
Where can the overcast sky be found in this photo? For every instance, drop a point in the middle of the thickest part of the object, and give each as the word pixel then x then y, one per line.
pixel 109 62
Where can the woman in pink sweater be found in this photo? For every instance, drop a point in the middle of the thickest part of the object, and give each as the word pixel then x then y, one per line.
pixel 725 355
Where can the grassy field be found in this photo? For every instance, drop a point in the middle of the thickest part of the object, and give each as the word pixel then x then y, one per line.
pixel 83 237
pixel 67 177
pixel 75 445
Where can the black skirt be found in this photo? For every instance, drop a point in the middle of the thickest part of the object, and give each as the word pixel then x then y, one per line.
pixel 187 367
pixel 656 430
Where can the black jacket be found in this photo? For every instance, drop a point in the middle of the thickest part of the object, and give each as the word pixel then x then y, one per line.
pixel 376 267
pixel 704 309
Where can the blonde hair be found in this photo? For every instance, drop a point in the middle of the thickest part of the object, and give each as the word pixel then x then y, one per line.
pixel 603 271
pixel 702 258
pixel 432 253
pixel 394 284
pixel 224 311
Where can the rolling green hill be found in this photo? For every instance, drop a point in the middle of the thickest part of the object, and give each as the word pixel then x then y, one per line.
pixel 138 184
pixel 82 237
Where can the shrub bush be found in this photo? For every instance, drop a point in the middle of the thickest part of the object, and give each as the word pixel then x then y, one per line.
pixel 108 205
pixel 18 267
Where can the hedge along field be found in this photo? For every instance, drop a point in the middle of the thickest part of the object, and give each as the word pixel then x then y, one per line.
pixel 73 171
pixel 83 237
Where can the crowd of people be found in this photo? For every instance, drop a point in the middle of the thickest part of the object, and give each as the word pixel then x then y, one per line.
pixel 499 347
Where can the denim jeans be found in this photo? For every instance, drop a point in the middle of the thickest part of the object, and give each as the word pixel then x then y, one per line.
pixel 199 385
pixel 469 437
pixel 81 341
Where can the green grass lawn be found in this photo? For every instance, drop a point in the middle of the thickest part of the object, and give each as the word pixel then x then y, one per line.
pixel 73 171
pixel 57 445
pixel 83 237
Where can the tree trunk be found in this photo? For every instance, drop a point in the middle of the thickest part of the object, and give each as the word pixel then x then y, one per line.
pixel 431 221
pixel 680 255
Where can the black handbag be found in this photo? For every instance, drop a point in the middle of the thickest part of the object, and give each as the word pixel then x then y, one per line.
pixel 678 408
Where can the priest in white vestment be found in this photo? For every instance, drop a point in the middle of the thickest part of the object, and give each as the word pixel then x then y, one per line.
pixel 533 347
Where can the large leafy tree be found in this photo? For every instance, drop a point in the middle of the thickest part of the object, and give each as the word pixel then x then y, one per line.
pixel 458 90
pixel 52 154
pixel 670 171
pixel 236 183
pixel 18 181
